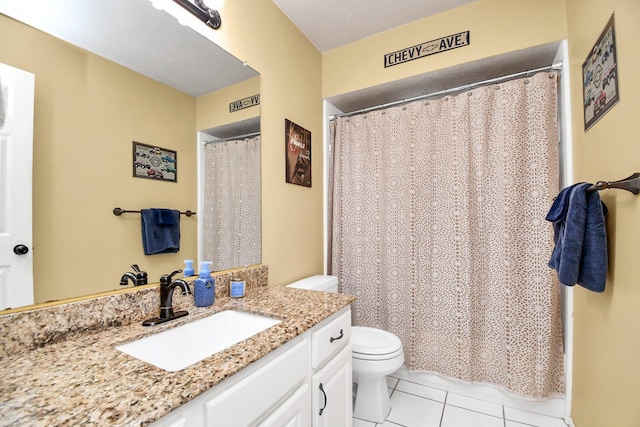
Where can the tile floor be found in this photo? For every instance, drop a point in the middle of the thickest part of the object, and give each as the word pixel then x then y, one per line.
pixel 416 405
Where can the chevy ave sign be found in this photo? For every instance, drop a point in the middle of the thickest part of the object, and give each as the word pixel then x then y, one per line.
pixel 247 102
pixel 432 47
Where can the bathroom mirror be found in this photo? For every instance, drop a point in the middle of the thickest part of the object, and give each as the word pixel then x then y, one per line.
pixel 108 73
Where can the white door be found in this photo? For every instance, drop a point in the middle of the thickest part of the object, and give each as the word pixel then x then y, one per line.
pixel 16 152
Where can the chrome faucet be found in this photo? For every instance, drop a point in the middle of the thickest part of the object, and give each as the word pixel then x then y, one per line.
pixel 167 285
pixel 138 278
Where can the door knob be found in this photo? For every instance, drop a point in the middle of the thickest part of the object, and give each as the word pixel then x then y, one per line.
pixel 20 249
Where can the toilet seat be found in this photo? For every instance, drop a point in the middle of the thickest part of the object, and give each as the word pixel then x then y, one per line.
pixel 374 344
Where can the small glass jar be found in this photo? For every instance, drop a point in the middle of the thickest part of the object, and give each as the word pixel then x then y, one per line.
pixel 237 285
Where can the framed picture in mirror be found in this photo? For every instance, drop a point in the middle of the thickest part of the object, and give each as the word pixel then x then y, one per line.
pixel 297 143
pixel 154 162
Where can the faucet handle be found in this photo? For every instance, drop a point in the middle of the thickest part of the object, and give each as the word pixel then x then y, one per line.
pixel 166 279
pixel 141 276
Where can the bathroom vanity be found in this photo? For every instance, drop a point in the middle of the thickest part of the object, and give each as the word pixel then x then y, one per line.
pixel 306 382
pixel 285 375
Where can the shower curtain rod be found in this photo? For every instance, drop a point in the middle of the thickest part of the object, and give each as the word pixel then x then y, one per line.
pixel 448 91
pixel 246 135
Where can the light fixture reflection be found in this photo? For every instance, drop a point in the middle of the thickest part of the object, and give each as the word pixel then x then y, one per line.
pixel 209 16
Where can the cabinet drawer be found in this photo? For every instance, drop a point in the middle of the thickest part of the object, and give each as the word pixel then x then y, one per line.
pixel 329 339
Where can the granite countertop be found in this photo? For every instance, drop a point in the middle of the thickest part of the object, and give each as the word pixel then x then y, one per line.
pixel 85 380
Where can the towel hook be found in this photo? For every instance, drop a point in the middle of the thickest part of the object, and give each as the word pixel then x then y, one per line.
pixel 631 183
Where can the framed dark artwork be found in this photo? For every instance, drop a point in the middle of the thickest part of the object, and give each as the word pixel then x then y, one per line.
pixel 154 162
pixel 297 143
pixel 600 77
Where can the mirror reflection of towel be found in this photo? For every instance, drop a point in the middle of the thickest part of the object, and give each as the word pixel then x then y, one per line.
pixel 160 231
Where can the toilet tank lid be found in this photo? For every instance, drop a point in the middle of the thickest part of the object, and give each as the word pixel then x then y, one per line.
pixel 320 282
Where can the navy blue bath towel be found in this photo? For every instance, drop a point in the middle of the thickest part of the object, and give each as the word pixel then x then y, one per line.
pixel 160 231
pixel 580 253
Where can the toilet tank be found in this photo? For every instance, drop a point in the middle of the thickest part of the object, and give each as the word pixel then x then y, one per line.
pixel 317 283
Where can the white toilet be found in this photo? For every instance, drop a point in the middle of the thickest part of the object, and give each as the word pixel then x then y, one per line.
pixel 375 354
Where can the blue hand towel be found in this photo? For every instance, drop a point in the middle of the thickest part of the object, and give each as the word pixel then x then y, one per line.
pixel 166 216
pixel 580 253
pixel 160 231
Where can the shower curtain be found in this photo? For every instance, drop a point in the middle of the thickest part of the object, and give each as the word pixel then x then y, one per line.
pixel 438 228
pixel 232 220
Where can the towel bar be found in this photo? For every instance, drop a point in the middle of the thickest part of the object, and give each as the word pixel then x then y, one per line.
pixel 631 184
pixel 119 211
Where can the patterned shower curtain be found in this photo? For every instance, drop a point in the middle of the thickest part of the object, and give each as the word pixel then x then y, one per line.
pixel 438 228
pixel 232 219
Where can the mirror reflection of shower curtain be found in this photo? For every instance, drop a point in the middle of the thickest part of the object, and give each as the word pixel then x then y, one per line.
pixel 232 207
pixel 438 228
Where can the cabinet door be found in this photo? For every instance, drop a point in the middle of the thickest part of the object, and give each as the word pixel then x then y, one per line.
pixel 332 392
pixel 295 412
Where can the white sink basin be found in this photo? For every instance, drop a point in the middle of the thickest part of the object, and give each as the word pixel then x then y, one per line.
pixel 182 346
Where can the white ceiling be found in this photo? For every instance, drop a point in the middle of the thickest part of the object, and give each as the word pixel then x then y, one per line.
pixel 333 23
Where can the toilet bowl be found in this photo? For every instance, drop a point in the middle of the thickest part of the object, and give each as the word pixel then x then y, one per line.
pixel 375 354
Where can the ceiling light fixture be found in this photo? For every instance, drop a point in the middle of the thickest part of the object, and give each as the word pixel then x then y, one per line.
pixel 211 17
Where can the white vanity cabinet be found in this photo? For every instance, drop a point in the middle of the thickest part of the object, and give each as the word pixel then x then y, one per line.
pixel 283 388
pixel 246 397
pixel 331 383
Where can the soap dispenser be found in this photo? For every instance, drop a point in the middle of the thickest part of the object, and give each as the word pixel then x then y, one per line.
pixel 204 293
pixel 188 268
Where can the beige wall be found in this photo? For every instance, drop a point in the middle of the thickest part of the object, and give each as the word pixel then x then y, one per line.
pixel 290 70
pixel 87 113
pixel 606 374
pixel 213 108
pixel 496 27
pixel 607 336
